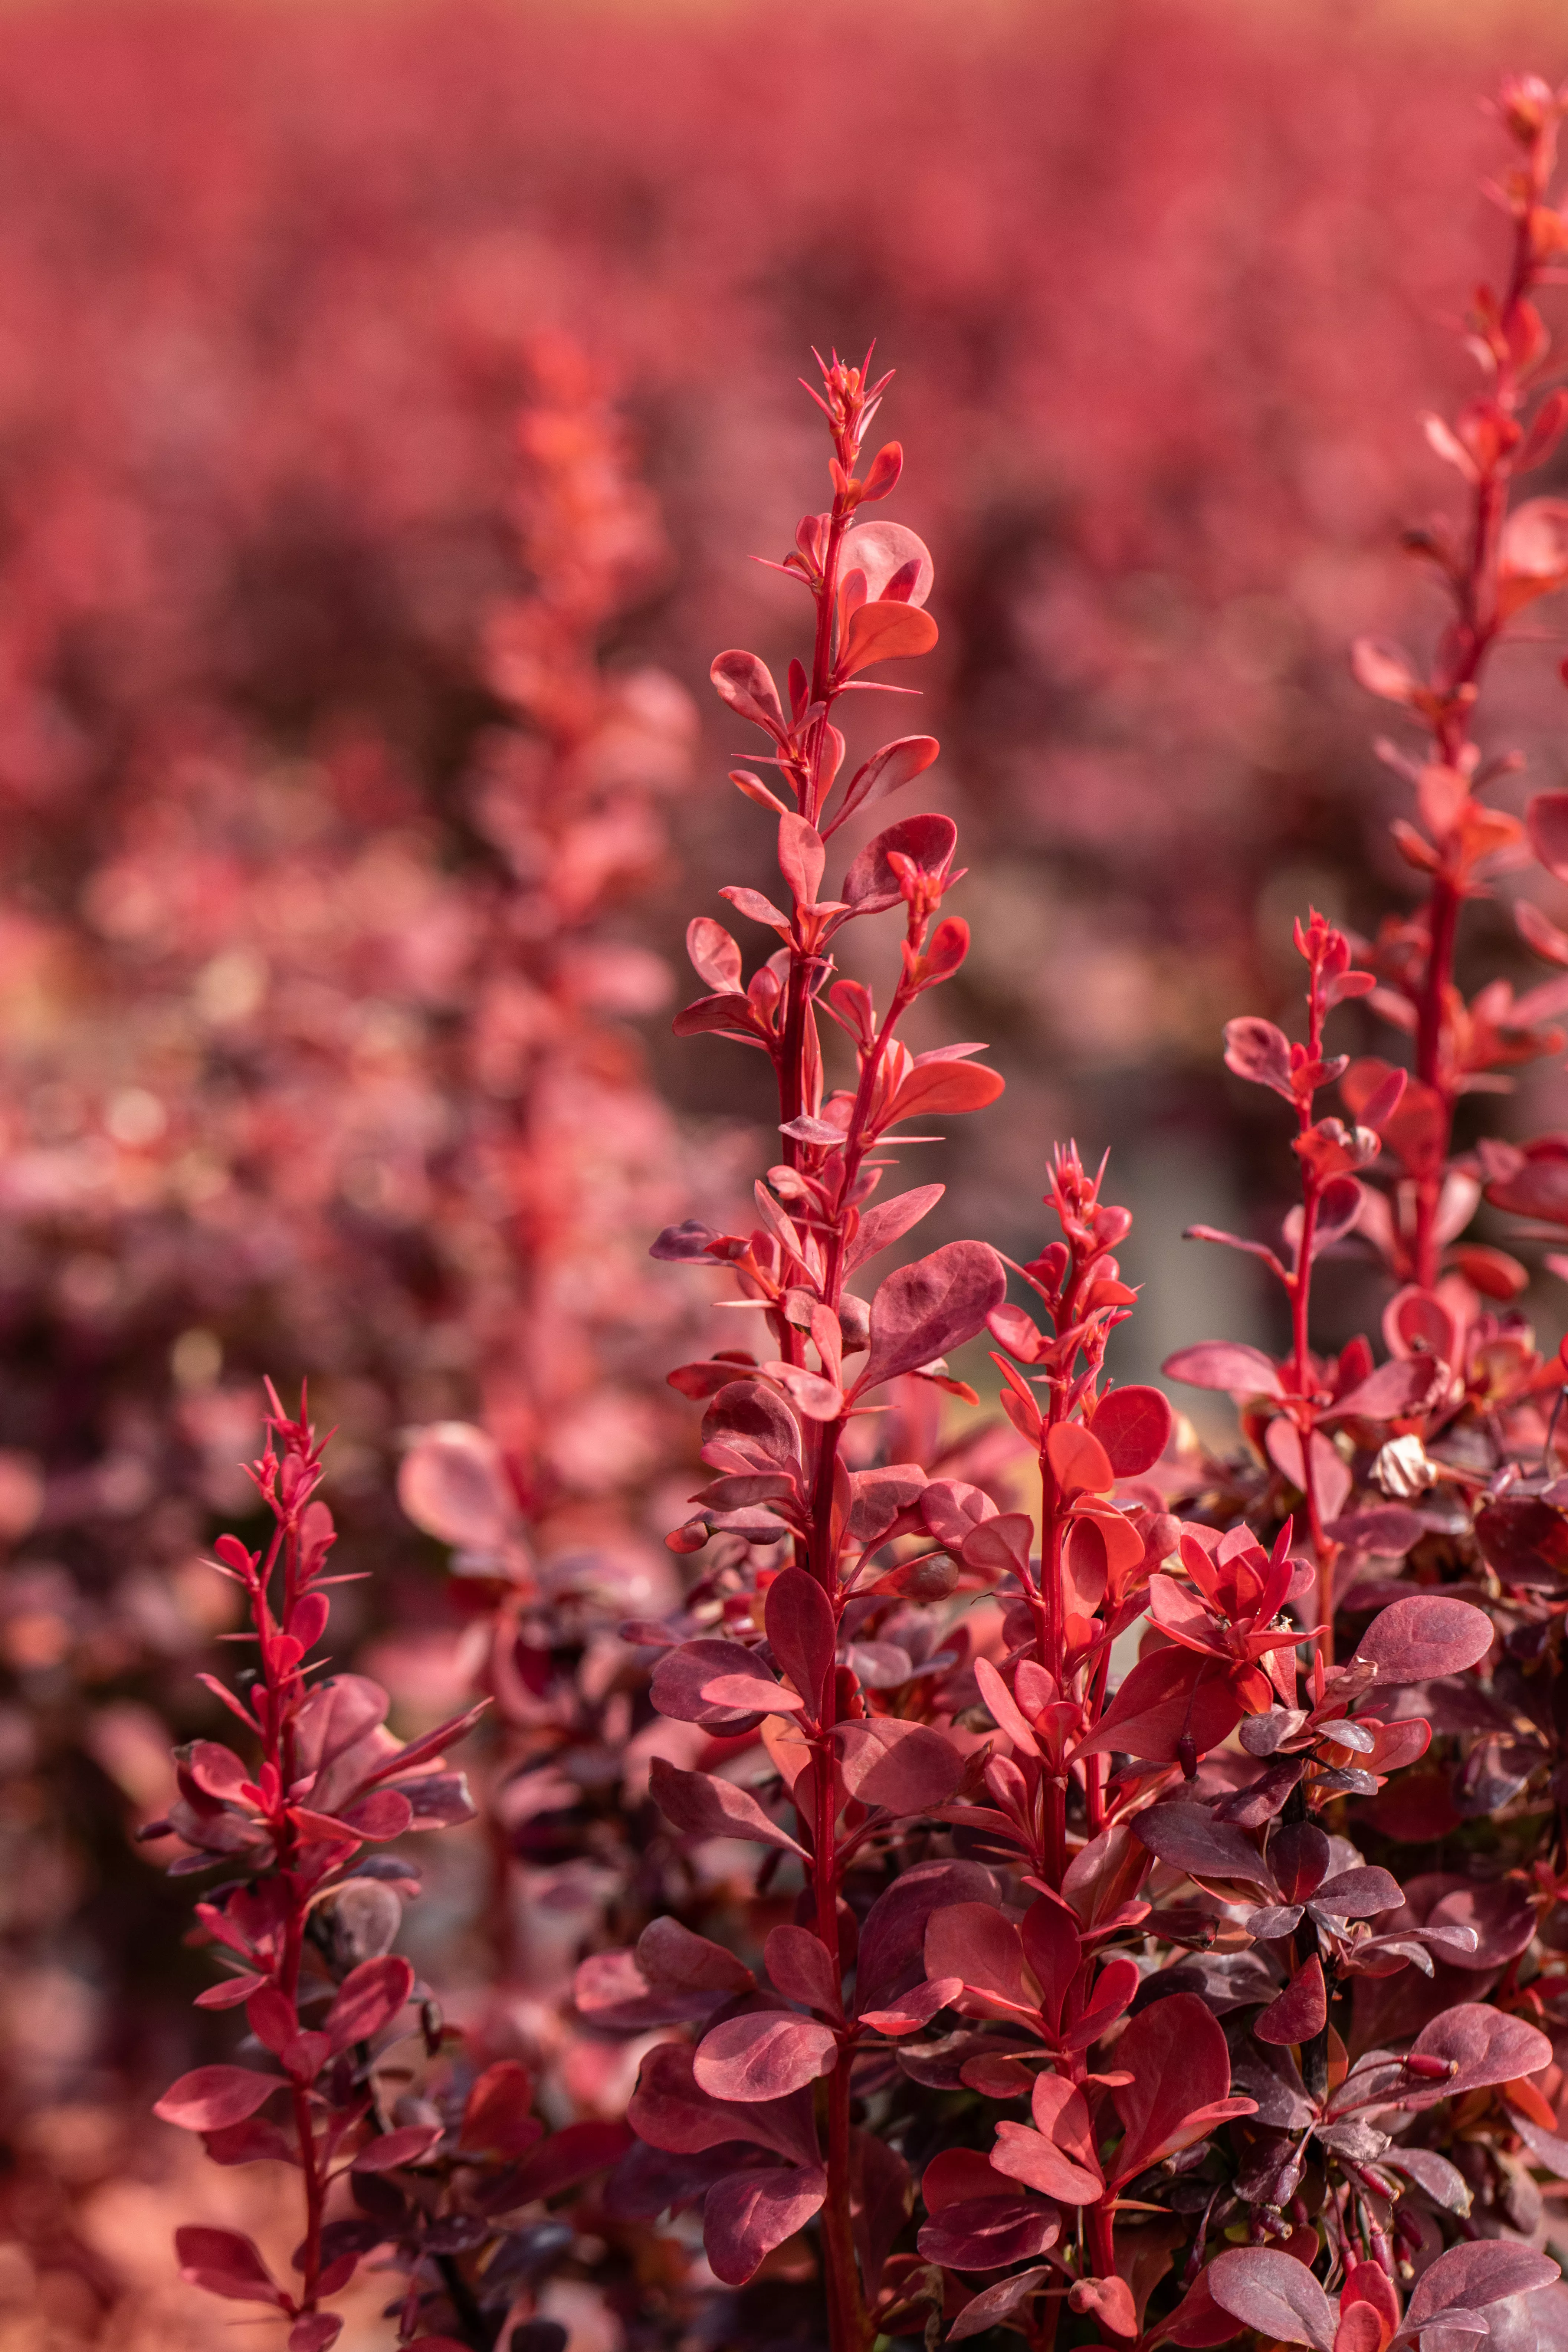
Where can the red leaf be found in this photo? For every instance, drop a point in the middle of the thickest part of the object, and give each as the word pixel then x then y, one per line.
pixel 669 2110
pixel 973 1942
pixel 922 1310
pixel 749 1426
pixel 212 2097
pixel 1255 1049
pixel 881 476
pixel 313 2331
pixel 725 1016
pixel 670 1954
pixel 453 1484
pixel 882 631
pixel 982 2233
pixel 384 1813
pixel 1133 1425
pixel 1225 1364
pixel 764 2056
pixel 900 1767
pixel 1198 2321
pixel 254 2141
pixel 1401 1386
pixel 1470 2277
pixel 881 552
pixel 934 1089
pixel 720 1684
pixel 496 2118
pixel 1423 1636
pixel 1189 1838
pixel 1162 1701
pixel 1300 2011
pixel 801 1632
pixel 1486 2046
pixel 370 1997
pixel 1275 2294
pixel 799 1966
pixel 886 1222
pixel 567 2156
pixel 715 956
pixel 1177 2054
pixel 801 857
pixel 705 1806
pixel 405 2146
pixel 929 841
pixel 1110 2300
pixel 996 2303
pixel 746 685
pixel 746 2217
pixel 1058 2155
pixel 226 2263
pixel 885 772
pixel 1078 1461
pixel 1000 1545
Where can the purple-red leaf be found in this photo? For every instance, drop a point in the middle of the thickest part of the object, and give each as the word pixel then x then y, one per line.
pixel 746 2217
pixel 212 2097
pixel 453 1484
pixel 1189 1838
pixel 765 2055
pixel 1225 1364
pixel 705 1806
pixel 901 1767
pixel 927 840
pixel 670 1954
pixel 886 772
pixel 1172 1696
pixel 746 684
pixel 799 1966
pixel 994 2304
pixel 801 1632
pixel 1257 1050
pixel 1177 2054
pixel 405 2146
pixel 1483 2045
pixel 922 1310
pixel 1426 1635
pixel 226 2263
pixel 1274 2294
pixel 1469 2277
pixel 720 1684
pixel 1301 2009
pixel 370 1998
pixel 886 1222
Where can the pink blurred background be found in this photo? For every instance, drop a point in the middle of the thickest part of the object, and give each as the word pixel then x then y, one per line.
pixel 358 773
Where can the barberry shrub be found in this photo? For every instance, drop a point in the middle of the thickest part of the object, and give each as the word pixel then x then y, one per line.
pixel 1070 1992
pixel 1094 2004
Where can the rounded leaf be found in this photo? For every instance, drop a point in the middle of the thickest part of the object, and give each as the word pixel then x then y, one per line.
pixel 885 552
pixel 1133 1425
pixel 1275 2294
pixel 747 2216
pixel 1423 1636
pixel 452 1482
pixel 765 2055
